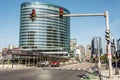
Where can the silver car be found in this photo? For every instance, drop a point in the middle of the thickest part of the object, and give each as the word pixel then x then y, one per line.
pixel 43 64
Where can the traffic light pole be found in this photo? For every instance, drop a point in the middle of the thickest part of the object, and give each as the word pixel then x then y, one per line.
pixel 108 46
pixel 105 14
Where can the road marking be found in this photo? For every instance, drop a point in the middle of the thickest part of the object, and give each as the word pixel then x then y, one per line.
pixel 68 68
pixel 73 68
pixel 78 68
pixel 84 68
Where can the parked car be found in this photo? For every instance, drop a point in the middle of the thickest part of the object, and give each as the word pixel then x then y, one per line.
pixel 43 64
pixel 54 64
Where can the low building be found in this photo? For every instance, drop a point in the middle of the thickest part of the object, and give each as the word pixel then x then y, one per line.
pixel 0 55
pixel 17 55
pixel 80 53
pixel 88 52
pixel 73 45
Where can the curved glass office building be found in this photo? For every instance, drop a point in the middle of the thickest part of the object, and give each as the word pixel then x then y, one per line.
pixel 44 34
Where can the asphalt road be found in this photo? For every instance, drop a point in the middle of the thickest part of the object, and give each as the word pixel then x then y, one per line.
pixel 40 74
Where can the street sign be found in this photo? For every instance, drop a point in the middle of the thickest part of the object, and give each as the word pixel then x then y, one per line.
pixel 109 55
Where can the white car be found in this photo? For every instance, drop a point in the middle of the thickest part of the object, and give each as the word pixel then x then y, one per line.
pixel 43 64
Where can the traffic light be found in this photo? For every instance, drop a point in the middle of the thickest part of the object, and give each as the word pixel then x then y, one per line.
pixel 107 36
pixel 61 13
pixel 33 15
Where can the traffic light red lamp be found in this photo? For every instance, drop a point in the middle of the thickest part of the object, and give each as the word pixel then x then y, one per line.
pixel 33 15
pixel 61 13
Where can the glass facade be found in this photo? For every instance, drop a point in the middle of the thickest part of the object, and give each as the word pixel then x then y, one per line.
pixel 44 34
pixel 96 46
pixel 103 45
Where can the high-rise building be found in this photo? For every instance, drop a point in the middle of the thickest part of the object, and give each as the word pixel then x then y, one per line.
pixel 49 35
pixel 118 47
pixel 96 46
pixel 118 44
pixel 103 45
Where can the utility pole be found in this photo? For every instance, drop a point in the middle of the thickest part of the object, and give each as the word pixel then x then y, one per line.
pixel 108 45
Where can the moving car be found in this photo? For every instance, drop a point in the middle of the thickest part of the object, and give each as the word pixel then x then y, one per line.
pixel 54 64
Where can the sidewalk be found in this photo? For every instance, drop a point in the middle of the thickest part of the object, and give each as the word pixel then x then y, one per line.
pixel 91 75
pixel 105 75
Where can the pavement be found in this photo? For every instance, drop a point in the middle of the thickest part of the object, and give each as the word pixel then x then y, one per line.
pixel 105 75
pixel 93 75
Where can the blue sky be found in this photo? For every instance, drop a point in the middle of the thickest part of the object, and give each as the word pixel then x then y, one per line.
pixel 82 28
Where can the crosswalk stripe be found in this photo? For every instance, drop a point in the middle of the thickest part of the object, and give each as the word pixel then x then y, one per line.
pixel 68 68
pixel 78 68
pixel 84 68
pixel 73 69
